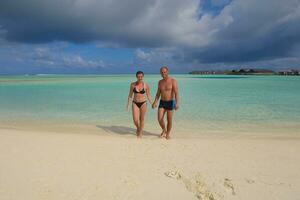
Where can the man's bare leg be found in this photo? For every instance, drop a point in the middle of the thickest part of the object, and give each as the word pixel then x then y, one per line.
pixel 169 125
pixel 160 117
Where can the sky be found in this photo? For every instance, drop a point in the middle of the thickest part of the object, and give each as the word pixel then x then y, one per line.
pixel 112 36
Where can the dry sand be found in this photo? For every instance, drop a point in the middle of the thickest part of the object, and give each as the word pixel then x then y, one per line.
pixel 37 165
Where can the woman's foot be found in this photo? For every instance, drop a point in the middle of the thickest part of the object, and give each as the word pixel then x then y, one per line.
pixel 139 134
pixel 163 134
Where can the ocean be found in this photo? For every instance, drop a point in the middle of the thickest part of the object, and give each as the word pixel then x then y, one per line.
pixel 208 103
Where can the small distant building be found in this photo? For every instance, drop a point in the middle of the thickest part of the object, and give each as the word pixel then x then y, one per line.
pixel 290 72
pixel 249 71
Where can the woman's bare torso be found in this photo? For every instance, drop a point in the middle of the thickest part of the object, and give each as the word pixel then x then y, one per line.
pixel 138 97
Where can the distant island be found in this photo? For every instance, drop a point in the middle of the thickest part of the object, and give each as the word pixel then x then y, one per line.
pixel 248 71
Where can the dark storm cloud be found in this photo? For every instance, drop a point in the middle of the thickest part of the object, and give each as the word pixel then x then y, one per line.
pixel 252 30
pixel 128 22
pixel 236 31
pixel 244 31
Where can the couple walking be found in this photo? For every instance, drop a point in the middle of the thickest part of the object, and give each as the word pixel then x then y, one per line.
pixel 166 91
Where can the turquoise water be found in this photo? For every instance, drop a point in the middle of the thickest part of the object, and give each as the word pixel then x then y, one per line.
pixel 209 103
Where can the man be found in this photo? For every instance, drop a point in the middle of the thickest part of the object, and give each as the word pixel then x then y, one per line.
pixel 166 91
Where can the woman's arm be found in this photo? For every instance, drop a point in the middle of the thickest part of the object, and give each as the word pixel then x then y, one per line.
pixel 148 94
pixel 129 96
pixel 154 105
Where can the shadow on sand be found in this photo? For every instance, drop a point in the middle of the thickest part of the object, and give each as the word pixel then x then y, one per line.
pixel 123 130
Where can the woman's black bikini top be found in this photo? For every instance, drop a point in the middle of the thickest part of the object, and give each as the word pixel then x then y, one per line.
pixel 140 92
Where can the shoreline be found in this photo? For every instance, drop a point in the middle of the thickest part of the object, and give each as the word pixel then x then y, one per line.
pixel 129 130
pixel 223 129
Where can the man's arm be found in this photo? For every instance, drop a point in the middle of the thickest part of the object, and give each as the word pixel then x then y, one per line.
pixel 154 105
pixel 175 86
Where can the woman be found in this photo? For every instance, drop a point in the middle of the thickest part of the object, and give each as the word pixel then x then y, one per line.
pixel 139 102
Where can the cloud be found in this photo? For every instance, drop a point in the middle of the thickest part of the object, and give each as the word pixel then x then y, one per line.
pixel 47 57
pixel 129 22
pixel 152 59
pixel 54 56
pixel 249 30
pixel 157 56
pixel 143 56
pixel 173 31
pixel 244 31
pixel 78 61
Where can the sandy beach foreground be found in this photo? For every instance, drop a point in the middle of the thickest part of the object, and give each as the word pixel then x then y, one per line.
pixel 38 165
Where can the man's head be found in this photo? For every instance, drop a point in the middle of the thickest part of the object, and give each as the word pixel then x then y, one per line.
pixel 164 72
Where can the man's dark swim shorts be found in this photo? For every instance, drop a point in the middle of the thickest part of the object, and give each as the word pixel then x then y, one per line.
pixel 168 105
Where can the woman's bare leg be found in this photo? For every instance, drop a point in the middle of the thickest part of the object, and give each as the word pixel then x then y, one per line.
pixel 142 118
pixel 135 116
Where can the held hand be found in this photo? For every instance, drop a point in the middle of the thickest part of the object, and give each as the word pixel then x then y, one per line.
pixel 154 105
pixel 176 106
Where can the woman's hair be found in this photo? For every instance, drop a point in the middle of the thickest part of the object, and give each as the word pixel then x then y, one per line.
pixel 139 72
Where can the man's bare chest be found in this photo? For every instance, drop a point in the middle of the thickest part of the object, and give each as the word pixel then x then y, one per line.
pixel 166 86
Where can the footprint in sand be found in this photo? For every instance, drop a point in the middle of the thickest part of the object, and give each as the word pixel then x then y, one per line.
pixel 196 185
pixel 43 189
pixel 228 184
pixel 173 174
pixel 249 181
pixel 130 182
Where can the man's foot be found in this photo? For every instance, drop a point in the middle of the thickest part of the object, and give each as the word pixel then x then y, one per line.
pixel 163 134
pixel 168 136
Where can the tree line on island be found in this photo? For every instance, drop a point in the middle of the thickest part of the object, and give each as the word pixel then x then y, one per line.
pixel 247 71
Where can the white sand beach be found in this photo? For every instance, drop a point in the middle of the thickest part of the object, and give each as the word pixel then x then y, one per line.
pixel 37 165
